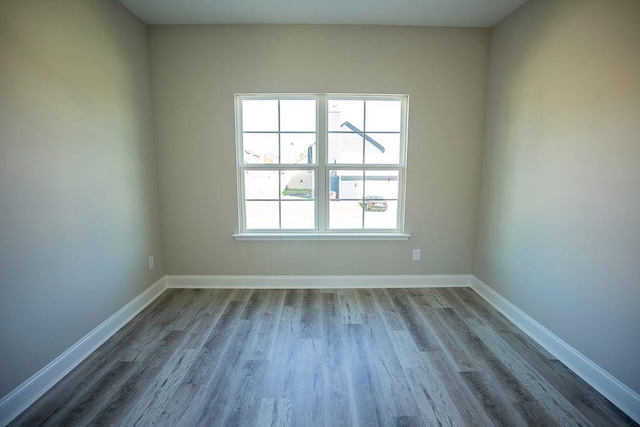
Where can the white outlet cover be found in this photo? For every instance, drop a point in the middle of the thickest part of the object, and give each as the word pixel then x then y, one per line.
pixel 151 263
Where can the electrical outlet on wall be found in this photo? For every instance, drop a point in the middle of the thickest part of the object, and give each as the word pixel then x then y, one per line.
pixel 151 263
pixel 416 255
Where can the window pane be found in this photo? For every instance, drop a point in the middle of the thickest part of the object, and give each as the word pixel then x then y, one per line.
pixel 345 214
pixel 262 215
pixel 261 185
pixel 383 184
pixel 381 214
pixel 260 116
pixel 260 148
pixel 298 116
pixel 383 116
pixel 345 148
pixel 346 184
pixel 297 184
pixel 345 111
pixel 390 143
pixel 296 147
pixel 298 215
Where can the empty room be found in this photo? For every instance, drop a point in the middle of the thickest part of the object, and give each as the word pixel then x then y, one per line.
pixel 270 213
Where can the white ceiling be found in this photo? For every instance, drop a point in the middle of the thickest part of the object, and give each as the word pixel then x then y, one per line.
pixel 443 13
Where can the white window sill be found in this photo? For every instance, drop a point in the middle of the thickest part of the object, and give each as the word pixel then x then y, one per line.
pixel 320 236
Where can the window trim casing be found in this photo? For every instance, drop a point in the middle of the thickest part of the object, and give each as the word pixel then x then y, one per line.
pixel 321 171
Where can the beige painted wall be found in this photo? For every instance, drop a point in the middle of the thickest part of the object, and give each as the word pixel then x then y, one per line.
pixel 78 193
pixel 197 70
pixel 559 217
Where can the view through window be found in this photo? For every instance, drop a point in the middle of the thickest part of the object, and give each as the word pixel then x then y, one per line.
pixel 321 163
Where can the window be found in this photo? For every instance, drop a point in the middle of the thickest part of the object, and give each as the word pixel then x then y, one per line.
pixel 321 166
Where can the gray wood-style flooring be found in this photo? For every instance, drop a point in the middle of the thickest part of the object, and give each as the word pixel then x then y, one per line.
pixel 342 357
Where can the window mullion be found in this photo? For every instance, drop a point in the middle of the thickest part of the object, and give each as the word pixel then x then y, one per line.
pixel 364 152
pixel 280 170
pixel 322 203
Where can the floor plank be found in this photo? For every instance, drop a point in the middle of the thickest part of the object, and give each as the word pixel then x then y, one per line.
pixel 350 307
pixel 274 412
pixel 332 357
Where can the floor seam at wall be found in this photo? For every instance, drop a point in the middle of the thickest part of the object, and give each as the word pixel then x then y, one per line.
pixel 14 403
pixel 606 384
pixel 318 281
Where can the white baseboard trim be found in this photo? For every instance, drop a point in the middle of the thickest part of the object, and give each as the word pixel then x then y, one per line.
pixel 316 282
pixel 605 383
pixel 14 403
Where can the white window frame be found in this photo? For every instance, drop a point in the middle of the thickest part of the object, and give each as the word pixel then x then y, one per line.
pixel 321 173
